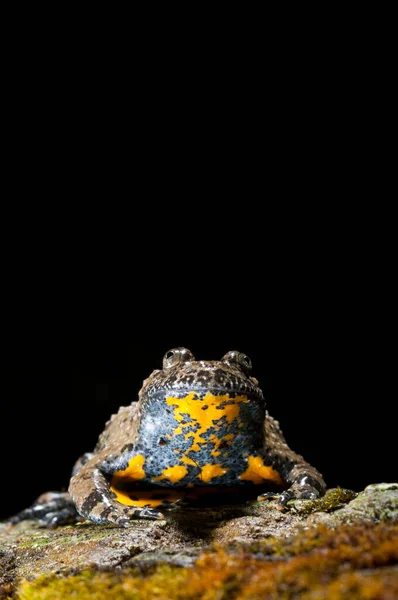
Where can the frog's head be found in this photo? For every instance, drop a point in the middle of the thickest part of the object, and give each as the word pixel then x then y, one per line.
pixel 182 374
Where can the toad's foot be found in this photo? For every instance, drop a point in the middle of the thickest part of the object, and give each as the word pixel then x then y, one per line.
pixel 304 489
pixel 124 517
pixel 50 509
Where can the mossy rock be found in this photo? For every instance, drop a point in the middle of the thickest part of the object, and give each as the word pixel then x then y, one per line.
pixel 341 546
pixel 331 501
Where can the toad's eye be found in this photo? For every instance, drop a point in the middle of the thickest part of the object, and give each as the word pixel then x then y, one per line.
pixel 240 359
pixel 176 356
pixel 246 362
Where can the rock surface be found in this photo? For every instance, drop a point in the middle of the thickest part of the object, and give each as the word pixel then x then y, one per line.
pixel 41 563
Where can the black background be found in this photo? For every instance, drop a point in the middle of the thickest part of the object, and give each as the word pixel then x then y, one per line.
pixel 318 346
pixel 259 222
pixel 89 309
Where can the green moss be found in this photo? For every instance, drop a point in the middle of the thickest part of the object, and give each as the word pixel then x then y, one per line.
pixel 333 499
pixel 36 543
pixel 96 537
pixel 353 561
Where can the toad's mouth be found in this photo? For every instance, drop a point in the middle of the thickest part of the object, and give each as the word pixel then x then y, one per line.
pixel 232 388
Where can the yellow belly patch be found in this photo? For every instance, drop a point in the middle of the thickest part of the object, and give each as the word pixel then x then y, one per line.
pixel 163 498
pixel 146 498
pixel 134 470
pixel 257 472
pixel 173 474
pixel 206 418
pixel 209 471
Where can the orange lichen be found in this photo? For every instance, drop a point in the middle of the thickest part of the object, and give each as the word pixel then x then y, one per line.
pixel 316 564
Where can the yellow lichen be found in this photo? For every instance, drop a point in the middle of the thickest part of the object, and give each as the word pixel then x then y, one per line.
pixel 353 561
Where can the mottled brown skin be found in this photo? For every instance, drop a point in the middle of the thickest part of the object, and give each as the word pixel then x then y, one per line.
pixel 251 432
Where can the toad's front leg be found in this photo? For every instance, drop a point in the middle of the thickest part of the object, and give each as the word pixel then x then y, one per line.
pixel 93 498
pixel 49 510
pixel 304 480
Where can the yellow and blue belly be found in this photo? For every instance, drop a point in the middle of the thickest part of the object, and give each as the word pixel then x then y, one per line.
pixel 196 440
